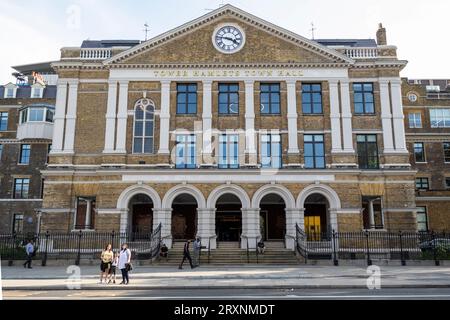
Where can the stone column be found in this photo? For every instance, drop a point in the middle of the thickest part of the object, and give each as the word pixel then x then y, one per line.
pixel 294 216
pixel 346 117
pixel 71 117
pixel 371 215
pixel 250 227
pixel 164 216
pixel 398 116
pixel 250 134
pixel 207 226
pixel 386 116
pixel 333 219
pixel 292 117
pixel 335 116
pixel 164 118
pixel 111 118
pixel 122 117
pixel 87 221
pixel 60 116
pixel 207 122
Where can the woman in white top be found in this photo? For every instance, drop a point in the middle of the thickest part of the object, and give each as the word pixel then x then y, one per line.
pixel 124 263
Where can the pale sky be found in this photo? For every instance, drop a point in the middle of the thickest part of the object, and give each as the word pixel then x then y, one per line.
pixel 34 31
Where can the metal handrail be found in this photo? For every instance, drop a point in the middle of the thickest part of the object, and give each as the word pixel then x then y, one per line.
pixel 209 246
pixel 248 249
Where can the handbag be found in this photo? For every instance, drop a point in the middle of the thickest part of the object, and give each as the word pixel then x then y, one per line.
pixel 128 267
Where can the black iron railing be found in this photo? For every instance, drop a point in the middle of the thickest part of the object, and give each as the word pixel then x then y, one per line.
pixel 78 245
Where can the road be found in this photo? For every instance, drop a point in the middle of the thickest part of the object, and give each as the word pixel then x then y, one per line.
pixel 235 294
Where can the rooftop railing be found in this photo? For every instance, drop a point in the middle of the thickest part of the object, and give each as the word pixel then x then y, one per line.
pixel 95 54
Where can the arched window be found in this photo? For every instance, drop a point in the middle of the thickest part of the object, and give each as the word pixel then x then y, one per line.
pixel 143 129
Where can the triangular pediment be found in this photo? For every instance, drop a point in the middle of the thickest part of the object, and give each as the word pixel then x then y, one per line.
pixel 192 43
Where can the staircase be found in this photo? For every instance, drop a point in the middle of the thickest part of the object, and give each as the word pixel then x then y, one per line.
pixel 229 253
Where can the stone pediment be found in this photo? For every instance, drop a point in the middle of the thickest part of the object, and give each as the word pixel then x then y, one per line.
pixel 192 44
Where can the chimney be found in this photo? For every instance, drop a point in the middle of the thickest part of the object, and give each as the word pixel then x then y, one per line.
pixel 381 35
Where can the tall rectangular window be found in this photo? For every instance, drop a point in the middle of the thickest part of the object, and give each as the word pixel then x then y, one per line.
pixel 419 152
pixel 314 151
pixel 3 121
pixel 187 98
pixel 228 99
pixel 440 118
pixel 364 98
pixel 228 151
pixel 21 188
pixel 25 150
pixel 271 151
pixel 415 120
pixel 446 147
pixel 422 219
pixel 9 93
pixel 422 184
pixel 367 151
pixel 372 213
pixel 270 98
pixel 17 225
pixel 312 98
pixel 185 151
pixel 1 151
pixel 85 213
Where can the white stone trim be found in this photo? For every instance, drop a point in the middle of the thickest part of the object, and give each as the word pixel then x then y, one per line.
pixel 232 189
pixel 386 116
pixel 335 115
pixel 130 192
pixel 170 195
pixel 122 117
pixel 110 130
pixel 59 118
pixel 207 117
pixel 326 191
pixel 250 133
pixel 346 117
pixel 164 118
pixel 292 117
pixel 71 117
pixel 280 190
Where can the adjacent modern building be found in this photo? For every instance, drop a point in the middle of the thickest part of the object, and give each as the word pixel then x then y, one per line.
pixel 230 128
pixel 27 110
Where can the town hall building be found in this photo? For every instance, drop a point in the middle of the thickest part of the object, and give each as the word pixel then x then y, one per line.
pixel 232 129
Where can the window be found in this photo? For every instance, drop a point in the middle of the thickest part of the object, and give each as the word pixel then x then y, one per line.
pixel 419 152
pixel 37 92
pixel 440 118
pixel 187 99
pixel 17 223
pixel 363 98
pixel 422 219
pixel 185 151
pixel 21 188
pixel 85 213
pixel 367 151
pixel 1 151
pixel 271 151
pixel 314 151
pixel 143 131
pixel 372 213
pixel 37 114
pixel 446 146
pixel 415 120
pixel 312 98
pixel 3 121
pixel 447 183
pixel 228 99
pixel 25 150
pixel 10 93
pixel 42 188
pixel 422 184
pixel 270 98
pixel 228 151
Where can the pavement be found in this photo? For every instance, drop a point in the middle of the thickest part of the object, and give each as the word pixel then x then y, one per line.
pixel 248 277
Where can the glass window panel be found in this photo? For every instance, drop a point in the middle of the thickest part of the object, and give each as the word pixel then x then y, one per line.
pixel 370 108
pixel 193 88
pixel 149 129
pixel 275 97
pixel 234 108
pixel 223 98
pixel 49 116
pixel 265 138
pixel 148 145
pixel 265 98
pixel 36 115
pixel 317 87
pixel 371 138
pixel 308 138
pixel 309 162
pixel 357 87
pixel 192 108
pixel 320 162
pixel 309 150
pixel 192 98
pixel 223 108
pixel 307 108
pixel 139 113
pixel 317 108
pixel 317 98
pixel 359 108
pixel 276 138
pixel 306 87
pixel 181 87
pixel 138 145
pixel 276 108
pixel 181 98
pixel 138 128
pixel 234 88
pixel 306 97
pixel 320 151
pixel 368 97
pixel 358 97
pixel 368 87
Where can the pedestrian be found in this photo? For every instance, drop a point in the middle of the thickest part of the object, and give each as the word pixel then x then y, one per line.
pixel 186 255
pixel 112 271
pixel 164 252
pixel 261 247
pixel 197 248
pixel 105 264
pixel 125 263
pixel 29 250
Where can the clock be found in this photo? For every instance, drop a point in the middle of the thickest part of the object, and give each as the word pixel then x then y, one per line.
pixel 228 38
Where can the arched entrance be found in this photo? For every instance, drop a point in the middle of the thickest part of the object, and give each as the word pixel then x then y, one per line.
pixel 228 218
pixel 184 217
pixel 273 217
pixel 317 217
pixel 141 212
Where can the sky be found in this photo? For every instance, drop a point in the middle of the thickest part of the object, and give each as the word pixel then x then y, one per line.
pixel 35 31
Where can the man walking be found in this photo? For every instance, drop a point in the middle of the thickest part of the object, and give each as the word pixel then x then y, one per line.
pixel 29 249
pixel 186 255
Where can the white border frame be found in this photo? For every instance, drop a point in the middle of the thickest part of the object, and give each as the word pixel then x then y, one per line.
pixel 235 25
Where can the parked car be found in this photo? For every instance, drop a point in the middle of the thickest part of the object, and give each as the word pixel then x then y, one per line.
pixel 441 243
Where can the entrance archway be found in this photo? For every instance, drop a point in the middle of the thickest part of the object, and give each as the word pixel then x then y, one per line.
pixel 141 211
pixel 228 218
pixel 273 217
pixel 184 217
pixel 317 216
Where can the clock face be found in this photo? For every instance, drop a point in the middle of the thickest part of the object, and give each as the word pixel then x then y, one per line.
pixel 229 39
